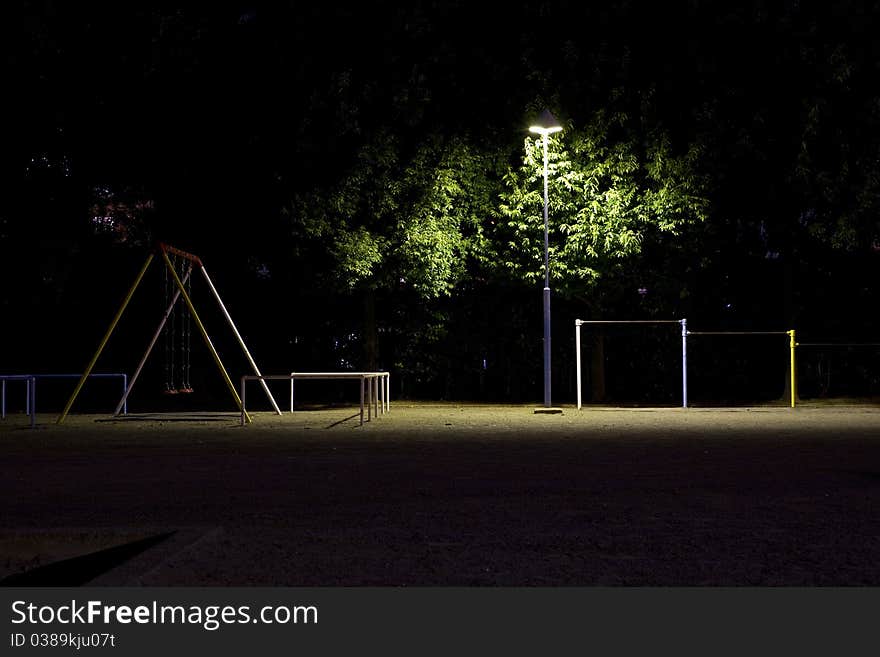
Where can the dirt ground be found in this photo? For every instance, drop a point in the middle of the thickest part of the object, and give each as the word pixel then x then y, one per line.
pixel 446 494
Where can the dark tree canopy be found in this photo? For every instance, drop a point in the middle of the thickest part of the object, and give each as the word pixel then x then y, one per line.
pixel 719 161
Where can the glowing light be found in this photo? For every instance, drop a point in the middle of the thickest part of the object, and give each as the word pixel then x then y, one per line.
pixel 546 124
pixel 540 130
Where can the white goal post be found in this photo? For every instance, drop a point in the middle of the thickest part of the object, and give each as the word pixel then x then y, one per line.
pixel 684 333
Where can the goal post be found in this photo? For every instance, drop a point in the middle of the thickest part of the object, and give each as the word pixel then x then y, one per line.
pixel 578 323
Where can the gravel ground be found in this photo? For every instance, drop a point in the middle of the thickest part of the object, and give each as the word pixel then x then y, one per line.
pixel 445 494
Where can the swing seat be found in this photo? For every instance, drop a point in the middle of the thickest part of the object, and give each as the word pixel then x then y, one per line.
pixel 170 391
pixel 185 391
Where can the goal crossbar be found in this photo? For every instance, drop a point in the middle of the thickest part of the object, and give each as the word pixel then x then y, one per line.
pixel 738 332
pixel 581 322
pixel 838 344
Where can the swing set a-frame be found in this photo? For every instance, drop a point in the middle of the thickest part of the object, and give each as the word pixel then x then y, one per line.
pixel 180 283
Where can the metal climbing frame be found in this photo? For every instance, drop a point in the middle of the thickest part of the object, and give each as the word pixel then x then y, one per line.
pixel 30 395
pixel 684 336
pixel 583 322
pixel 31 383
pixel 375 389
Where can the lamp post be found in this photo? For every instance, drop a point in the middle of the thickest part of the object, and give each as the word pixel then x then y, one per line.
pixel 545 126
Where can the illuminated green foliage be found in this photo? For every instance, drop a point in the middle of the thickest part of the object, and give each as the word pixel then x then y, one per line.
pixel 608 188
pixel 395 220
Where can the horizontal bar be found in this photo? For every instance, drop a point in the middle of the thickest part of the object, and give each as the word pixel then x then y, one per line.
pixel 581 322
pixel 838 344
pixel 74 376
pixel 381 377
pixel 737 332
pixel 315 375
pixel 376 373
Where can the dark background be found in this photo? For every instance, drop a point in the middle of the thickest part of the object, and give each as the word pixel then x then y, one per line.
pixel 196 125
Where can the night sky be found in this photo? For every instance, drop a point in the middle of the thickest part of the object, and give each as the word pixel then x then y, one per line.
pixel 230 129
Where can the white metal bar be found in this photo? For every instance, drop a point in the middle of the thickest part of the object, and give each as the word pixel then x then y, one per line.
pixel 628 321
pixel 380 394
pixel 838 344
pixel 737 332
pixel 320 375
pixel 244 348
pixel 27 396
pixel 684 363
pixel 577 348
pixel 577 332
pixel 373 398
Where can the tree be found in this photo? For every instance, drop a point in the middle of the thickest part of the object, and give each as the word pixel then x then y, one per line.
pixel 400 221
pixel 608 191
pixel 614 183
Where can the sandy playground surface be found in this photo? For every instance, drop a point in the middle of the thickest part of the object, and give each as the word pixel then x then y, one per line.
pixel 445 494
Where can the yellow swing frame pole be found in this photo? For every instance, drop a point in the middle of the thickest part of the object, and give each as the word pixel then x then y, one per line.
pixel 792 345
pixel 103 344
pixel 195 316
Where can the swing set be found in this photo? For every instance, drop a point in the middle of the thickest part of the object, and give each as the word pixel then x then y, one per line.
pixel 177 326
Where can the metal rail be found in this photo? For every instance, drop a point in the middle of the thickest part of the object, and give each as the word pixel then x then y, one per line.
pixel 372 397
pixel 684 336
pixel 30 400
pixel 838 344
pixel 737 332
pixel 587 322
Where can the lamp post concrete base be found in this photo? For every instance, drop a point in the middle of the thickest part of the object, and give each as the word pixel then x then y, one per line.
pixel 548 410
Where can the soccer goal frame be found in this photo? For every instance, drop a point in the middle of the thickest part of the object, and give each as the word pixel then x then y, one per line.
pixel 163 251
pixel 578 323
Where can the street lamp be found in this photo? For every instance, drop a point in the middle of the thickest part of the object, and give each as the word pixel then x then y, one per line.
pixel 545 126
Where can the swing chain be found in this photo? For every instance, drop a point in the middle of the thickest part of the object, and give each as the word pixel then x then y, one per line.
pixel 169 338
pixel 186 335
